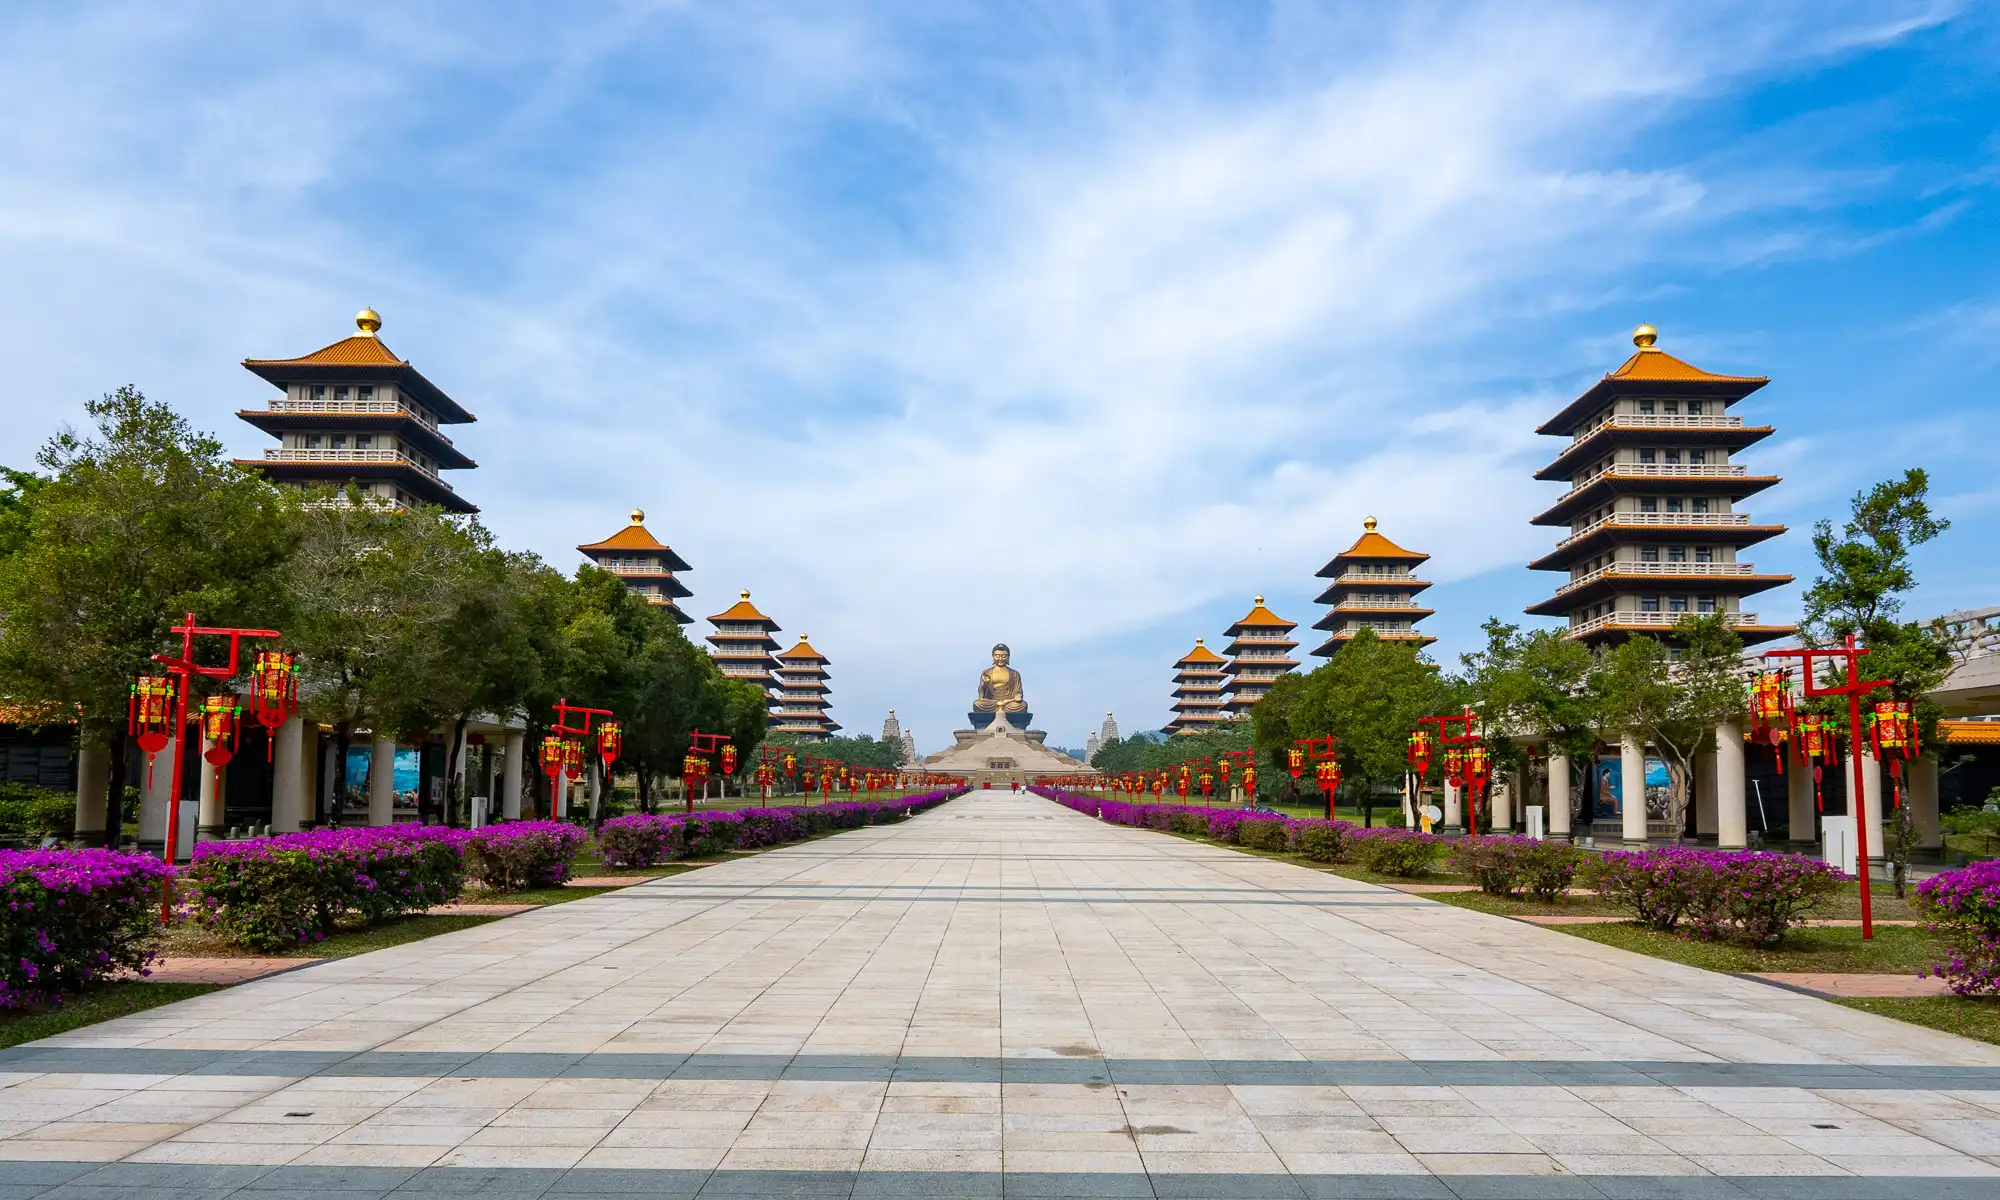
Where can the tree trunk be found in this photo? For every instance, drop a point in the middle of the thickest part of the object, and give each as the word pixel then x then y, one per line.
pixel 451 754
pixel 343 737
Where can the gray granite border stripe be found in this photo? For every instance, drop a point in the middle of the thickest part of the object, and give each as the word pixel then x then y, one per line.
pixel 668 894
pixel 300 1064
pixel 75 1181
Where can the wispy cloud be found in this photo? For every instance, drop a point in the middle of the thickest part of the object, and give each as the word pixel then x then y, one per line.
pixel 934 325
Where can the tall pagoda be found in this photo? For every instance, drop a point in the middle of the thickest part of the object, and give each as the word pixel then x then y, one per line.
pixel 1653 527
pixel 743 643
pixel 1374 586
pixel 1259 655
pixel 645 564
pixel 354 413
pixel 801 703
pixel 1199 679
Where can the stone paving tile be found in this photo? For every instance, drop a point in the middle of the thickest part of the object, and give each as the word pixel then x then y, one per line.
pixel 1003 998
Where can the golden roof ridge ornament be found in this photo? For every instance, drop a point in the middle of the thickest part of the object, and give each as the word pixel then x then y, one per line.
pixel 368 321
pixel 638 516
pixel 1644 337
pixel 1369 524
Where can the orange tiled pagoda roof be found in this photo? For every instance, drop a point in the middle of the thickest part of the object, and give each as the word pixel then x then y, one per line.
pixel 360 356
pixel 1260 617
pixel 1651 372
pixel 1200 654
pixel 743 610
pixel 637 537
pixel 803 652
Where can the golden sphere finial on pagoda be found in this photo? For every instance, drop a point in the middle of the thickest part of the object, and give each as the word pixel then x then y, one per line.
pixel 746 593
pixel 1644 337
pixel 1259 601
pixel 1198 641
pixel 638 516
pixel 1369 524
pixel 368 321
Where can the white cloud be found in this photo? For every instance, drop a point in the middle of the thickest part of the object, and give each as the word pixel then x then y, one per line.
pixel 931 330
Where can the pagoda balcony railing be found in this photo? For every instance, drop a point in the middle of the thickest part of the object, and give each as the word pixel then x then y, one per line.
pixel 1655 519
pixel 300 454
pixel 1657 421
pixel 1371 577
pixel 1636 470
pixel 1375 604
pixel 1643 569
pixel 1663 620
pixel 636 572
pixel 1265 656
pixel 390 408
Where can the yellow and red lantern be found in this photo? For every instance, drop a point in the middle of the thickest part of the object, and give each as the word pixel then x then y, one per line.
pixel 728 759
pixel 274 691
pixel 1295 761
pixel 1454 766
pixel 791 762
pixel 1894 734
pixel 610 740
pixel 553 757
pixel 1771 713
pixel 1418 755
pixel 694 770
pixel 1207 785
pixel 1478 769
pixel 149 718
pixel 221 719
pixel 1250 781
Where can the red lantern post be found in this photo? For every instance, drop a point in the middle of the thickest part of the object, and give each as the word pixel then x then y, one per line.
pixel 1318 750
pixel 1455 759
pixel 274 693
pixel 1854 688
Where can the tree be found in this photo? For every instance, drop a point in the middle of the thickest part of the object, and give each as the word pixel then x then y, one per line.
pixel 1674 700
pixel 1152 751
pixel 134 524
pixel 1368 696
pixel 1534 684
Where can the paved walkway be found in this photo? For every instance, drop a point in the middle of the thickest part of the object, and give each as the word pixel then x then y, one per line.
pixel 1002 997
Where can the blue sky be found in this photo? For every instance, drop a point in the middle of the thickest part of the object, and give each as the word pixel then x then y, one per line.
pixel 1067 325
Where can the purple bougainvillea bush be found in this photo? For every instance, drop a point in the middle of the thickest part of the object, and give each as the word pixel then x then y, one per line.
pixel 646 839
pixel 73 918
pixel 523 854
pixel 270 893
pixel 1714 894
pixel 1312 837
pixel 1963 907
pixel 1509 866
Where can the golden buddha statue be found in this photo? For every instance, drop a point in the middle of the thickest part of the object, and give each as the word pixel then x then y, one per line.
pixel 1000 686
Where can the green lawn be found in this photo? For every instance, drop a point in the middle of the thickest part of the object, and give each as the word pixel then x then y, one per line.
pixel 114 1000
pixel 1894 950
pixel 1974 1018
pixel 195 941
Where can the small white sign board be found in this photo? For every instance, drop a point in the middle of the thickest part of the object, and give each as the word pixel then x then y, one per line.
pixel 479 812
pixel 1537 822
pixel 1837 842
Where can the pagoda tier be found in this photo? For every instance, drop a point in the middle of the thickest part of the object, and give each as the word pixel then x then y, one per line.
pixel 354 413
pixel 644 563
pixel 801 704
pixel 1199 680
pixel 743 643
pixel 1259 655
pixel 1651 508
pixel 1374 587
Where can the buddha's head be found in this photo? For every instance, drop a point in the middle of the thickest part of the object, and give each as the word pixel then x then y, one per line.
pixel 1001 654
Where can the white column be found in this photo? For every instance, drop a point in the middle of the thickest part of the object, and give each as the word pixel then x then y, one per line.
pixel 1802 812
pixel 510 775
pixel 210 828
pixel 595 784
pixel 1870 808
pixel 1732 818
pixel 288 776
pixel 1632 788
pixel 382 781
pixel 1559 796
pixel 155 786
pixel 1502 808
pixel 1703 797
pixel 1920 792
pixel 1453 812
pixel 93 787
pixel 329 805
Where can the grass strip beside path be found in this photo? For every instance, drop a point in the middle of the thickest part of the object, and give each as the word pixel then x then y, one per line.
pixel 101 1004
pixel 1978 1018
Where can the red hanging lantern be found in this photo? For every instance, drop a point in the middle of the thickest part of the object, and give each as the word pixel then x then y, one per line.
pixel 728 759
pixel 1419 753
pixel 1295 761
pixel 610 740
pixel 1771 713
pixel 552 757
pixel 274 691
pixel 1478 769
pixel 1815 745
pixel 1250 782
pixel 1454 766
pixel 1207 785
pixel 221 719
pixel 149 718
pixel 791 762
pixel 1893 732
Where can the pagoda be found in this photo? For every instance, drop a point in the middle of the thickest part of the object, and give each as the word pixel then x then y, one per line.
pixel 354 413
pixel 1374 587
pixel 1654 531
pixel 743 642
pixel 1259 655
pixel 801 704
pixel 645 564
pixel 1199 679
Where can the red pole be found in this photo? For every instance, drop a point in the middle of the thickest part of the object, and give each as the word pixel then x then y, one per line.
pixel 1859 804
pixel 170 851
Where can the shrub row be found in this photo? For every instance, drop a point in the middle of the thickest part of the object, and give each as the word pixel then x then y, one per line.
pixel 1963 906
pixel 74 917
pixel 275 892
pixel 1388 851
pixel 645 839
pixel 1714 894
pixel 1509 866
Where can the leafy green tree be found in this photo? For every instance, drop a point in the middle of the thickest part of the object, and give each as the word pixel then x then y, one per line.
pixel 134 524
pixel 1673 700
pixel 1369 695
pixel 1533 685
pixel 1150 751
